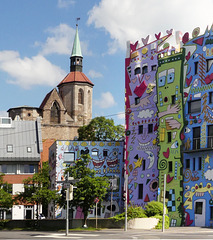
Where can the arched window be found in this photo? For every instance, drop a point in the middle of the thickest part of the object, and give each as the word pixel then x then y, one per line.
pixel 89 98
pixel 80 96
pixel 55 113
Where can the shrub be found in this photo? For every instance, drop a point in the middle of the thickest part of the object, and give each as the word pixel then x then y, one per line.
pixel 160 222
pixel 154 208
pixel 132 212
pixel 3 223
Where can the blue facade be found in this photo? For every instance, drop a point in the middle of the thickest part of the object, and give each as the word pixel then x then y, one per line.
pixel 106 160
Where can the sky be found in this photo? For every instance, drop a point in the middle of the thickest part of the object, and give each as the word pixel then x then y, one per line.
pixel 36 39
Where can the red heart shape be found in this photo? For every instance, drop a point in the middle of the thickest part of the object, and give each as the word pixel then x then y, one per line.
pixel 166 154
pixel 168 178
pixel 158 35
pixel 188 81
pixel 188 56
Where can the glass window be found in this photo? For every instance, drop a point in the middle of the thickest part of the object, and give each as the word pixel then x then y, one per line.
pixel 143 164
pixel 198 207
pixel 140 129
pixel 154 67
pixel 187 163
pixel 210 136
pixel 28 168
pixel 137 100
pixel 170 166
pixel 173 99
pixel 105 153
pixel 9 148
pixel 8 168
pixel 211 212
pixel 199 163
pixel 194 106
pixel 140 191
pixel 69 156
pixel 29 149
pixel 169 135
pixel 55 113
pixel 144 69
pixel 196 138
pixel 211 97
pixel 194 164
pixel 137 70
pixel 150 128
pixel 95 153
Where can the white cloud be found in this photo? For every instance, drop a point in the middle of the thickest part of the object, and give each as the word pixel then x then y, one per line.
pixel 94 74
pixel 60 41
pixel 127 20
pixel 145 113
pixel 65 3
pixel 106 100
pixel 209 174
pixel 121 115
pixel 27 72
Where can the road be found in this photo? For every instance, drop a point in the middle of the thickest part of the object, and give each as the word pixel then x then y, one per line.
pixel 172 233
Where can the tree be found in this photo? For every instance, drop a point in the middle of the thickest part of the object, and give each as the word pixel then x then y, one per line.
pixel 6 200
pixel 101 129
pixel 37 189
pixel 89 186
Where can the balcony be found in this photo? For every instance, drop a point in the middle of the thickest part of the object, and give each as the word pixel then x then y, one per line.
pixel 197 145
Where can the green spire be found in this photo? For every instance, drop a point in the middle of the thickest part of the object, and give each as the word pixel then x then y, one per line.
pixel 76 49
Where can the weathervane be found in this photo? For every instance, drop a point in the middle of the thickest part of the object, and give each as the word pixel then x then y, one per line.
pixel 77 19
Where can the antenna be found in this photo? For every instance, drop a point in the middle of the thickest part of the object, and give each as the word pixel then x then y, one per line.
pixel 77 19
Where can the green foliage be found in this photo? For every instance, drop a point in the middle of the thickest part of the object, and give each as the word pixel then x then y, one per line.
pixel 37 188
pixel 154 208
pixel 132 212
pixel 88 187
pixel 6 200
pixel 3 223
pixel 101 129
pixel 159 225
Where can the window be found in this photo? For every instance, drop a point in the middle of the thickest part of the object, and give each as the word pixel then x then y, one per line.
pixel 143 164
pixel 140 129
pixel 137 70
pixel 144 69
pixel 69 156
pixel 7 188
pixel 169 136
pixel 211 212
pixel 154 67
pixel 194 106
pixel 211 97
pixel 9 148
pixel 55 113
pixel 187 163
pixel 199 163
pixel 198 207
pixel 209 63
pixel 210 136
pixel 196 67
pixel 137 100
pixel 8 168
pixel 150 128
pixel 29 149
pixel 196 138
pixel 28 168
pixel 80 96
pixel 140 191
pixel 173 99
pixel 194 162
pixel 170 166
pixel 105 153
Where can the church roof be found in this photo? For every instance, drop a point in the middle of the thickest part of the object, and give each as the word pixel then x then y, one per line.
pixel 75 77
pixel 76 49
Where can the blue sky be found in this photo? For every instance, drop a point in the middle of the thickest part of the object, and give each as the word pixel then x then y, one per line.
pixel 36 41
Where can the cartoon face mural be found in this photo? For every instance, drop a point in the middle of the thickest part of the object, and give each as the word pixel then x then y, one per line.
pixel 106 160
pixel 142 120
pixel 170 112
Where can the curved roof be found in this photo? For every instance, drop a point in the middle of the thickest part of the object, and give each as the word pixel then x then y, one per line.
pixel 75 77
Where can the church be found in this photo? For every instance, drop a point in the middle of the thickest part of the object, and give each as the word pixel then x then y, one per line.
pixel 66 107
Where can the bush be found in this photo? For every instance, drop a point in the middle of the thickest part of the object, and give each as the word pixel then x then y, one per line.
pixel 132 212
pixel 3 223
pixel 160 222
pixel 154 208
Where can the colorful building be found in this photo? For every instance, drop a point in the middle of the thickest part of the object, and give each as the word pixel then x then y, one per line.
pixel 169 124
pixel 141 118
pixel 106 160
pixel 198 142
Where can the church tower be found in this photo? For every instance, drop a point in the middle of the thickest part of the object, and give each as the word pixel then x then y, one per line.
pixel 76 89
